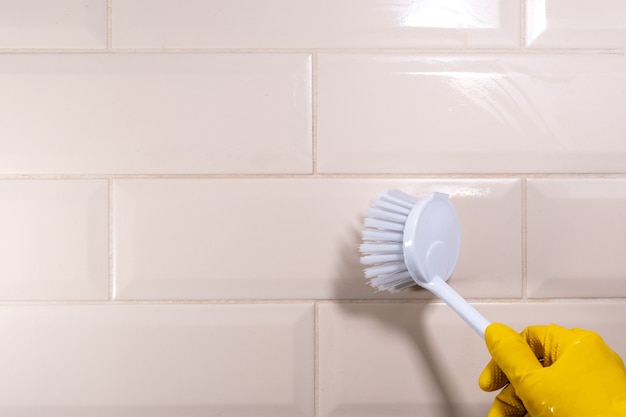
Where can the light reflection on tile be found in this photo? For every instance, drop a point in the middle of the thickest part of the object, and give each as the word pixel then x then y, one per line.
pixel 346 24
pixel 470 114
pixel 565 24
pixel 240 143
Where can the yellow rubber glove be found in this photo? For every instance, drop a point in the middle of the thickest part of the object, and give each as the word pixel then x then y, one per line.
pixel 579 376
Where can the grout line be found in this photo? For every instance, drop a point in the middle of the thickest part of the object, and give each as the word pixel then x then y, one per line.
pixel 524 238
pixel 522 27
pixel 314 74
pixel 506 301
pixel 112 260
pixel 316 302
pixel 365 176
pixel 109 7
pixel 109 49
pixel 316 361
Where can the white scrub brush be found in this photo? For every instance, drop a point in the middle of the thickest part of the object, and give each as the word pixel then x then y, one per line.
pixel 409 241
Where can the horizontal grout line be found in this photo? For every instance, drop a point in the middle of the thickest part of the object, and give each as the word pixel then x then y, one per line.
pixel 471 175
pixel 418 301
pixel 483 301
pixel 7 303
pixel 348 51
pixel 365 176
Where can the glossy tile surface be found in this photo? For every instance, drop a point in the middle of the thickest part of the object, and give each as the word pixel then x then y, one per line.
pixel 157 360
pixel 288 238
pixel 316 24
pixel 54 241
pixel 53 24
pixel 576 239
pixel 183 186
pixel 471 114
pixel 581 24
pixel 408 359
pixel 151 113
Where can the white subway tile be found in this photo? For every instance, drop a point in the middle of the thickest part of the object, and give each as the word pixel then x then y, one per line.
pixel 581 24
pixel 471 114
pixel 157 360
pixel 400 360
pixel 293 238
pixel 413 359
pixel 53 24
pixel 54 242
pixel 155 113
pixel 316 24
pixel 576 239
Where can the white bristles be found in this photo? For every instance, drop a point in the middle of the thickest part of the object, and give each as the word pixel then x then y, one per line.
pixel 391 207
pixel 399 198
pixel 382 214
pixel 393 282
pixel 384 269
pixel 382 247
pixel 383 225
pixel 381 236
pixel 380 259
pixel 402 196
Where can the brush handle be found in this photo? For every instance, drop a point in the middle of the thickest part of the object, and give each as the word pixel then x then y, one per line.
pixel 468 313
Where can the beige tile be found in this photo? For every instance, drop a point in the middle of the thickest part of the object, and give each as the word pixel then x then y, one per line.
pixel 293 238
pixel 155 113
pixel 576 239
pixel 316 24
pixel 54 241
pixel 410 359
pixel 607 318
pixel 400 360
pixel 490 262
pixel 53 24
pixel 471 114
pixel 566 24
pixel 157 360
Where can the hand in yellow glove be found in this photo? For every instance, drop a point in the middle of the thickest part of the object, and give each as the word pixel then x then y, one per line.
pixel 579 376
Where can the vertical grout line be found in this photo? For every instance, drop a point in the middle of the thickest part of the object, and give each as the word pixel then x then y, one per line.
pixel 111 240
pixel 316 360
pixel 522 24
pixel 109 7
pixel 524 238
pixel 314 111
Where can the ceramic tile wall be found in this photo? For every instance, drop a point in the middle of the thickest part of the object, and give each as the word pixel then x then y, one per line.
pixel 182 186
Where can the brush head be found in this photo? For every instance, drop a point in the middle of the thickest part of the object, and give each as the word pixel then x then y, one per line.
pixel 408 241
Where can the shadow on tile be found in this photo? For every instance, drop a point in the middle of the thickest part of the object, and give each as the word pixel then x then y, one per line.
pixel 355 297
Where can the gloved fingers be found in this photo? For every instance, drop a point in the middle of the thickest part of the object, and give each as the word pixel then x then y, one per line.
pixel 551 342
pixel 511 352
pixel 539 338
pixel 492 378
pixel 507 404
